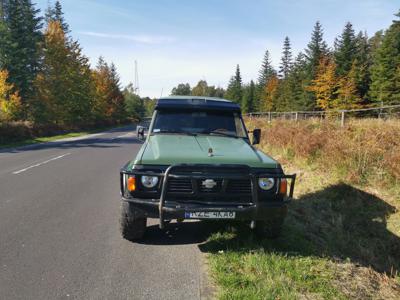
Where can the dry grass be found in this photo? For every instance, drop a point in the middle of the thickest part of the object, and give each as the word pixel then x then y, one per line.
pixel 364 151
pixel 341 239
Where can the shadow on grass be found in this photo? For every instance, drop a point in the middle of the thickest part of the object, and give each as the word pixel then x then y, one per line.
pixel 340 222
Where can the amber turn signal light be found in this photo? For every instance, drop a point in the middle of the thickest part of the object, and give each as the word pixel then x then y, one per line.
pixel 131 184
pixel 283 187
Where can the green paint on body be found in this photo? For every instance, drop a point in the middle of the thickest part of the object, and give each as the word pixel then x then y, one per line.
pixel 168 149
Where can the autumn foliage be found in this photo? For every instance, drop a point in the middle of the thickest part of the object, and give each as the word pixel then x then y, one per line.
pixel 10 101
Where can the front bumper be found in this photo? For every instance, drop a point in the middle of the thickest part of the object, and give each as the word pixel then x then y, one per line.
pixel 166 208
pixel 179 210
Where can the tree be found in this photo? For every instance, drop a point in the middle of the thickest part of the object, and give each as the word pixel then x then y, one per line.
pixel 10 102
pixel 385 72
pixel 249 98
pixel 109 106
pixel 116 98
pixel 266 71
pixel 183 89
pixel 20 55
pixel 363 62
pixel 64 86
pixel 201 89
pixel 234 91
pixel 345 50
pixel 295 86
pixel 134 105
pixel 268 97
pixel 56 14
pixel 286 61
pixel 347 93
pixel 316 48
pixel 325 84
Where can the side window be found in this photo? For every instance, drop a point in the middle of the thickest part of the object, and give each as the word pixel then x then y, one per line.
pixel 240 130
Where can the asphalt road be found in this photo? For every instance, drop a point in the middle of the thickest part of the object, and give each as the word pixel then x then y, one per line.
pixel 59 231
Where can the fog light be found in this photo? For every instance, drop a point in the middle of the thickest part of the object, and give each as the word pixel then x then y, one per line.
pixel 149 181
pixel 131 184
pixel 266 183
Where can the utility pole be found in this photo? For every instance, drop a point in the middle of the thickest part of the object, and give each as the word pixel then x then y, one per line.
pixel 136 82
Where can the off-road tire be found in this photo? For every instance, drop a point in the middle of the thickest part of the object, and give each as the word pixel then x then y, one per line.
pixel 132 222
pixel 271 229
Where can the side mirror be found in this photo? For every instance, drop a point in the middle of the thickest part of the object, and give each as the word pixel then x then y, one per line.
pixel 140 132
pixel 256 136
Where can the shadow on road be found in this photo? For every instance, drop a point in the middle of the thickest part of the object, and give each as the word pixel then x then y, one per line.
pixel 95 142
pixel 179 233
pixel 338 222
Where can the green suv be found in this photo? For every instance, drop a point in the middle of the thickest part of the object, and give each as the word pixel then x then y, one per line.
pixel 198 162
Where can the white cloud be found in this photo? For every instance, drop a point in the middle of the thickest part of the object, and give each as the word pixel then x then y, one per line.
pixel 142 38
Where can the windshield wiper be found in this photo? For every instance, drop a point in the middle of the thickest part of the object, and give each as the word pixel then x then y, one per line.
pixel 175 132
pixel 220 133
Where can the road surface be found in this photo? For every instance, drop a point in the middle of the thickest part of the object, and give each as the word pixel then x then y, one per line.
pixel 59 234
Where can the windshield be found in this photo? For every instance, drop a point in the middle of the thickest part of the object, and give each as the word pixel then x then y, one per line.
pixel 199 122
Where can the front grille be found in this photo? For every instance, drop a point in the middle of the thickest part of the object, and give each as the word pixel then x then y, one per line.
pixel 216 189
pixel 239 186
pixel 179 185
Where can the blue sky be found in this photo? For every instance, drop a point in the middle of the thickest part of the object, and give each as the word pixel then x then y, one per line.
pixel 184 41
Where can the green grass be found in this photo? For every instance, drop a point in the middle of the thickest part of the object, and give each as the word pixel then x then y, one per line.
pixel 52 138
pixel 257 271
pixel 340 241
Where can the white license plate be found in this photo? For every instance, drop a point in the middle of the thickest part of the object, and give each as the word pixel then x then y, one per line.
pixel 210 215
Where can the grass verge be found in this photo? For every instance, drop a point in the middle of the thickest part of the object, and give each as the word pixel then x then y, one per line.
pixel 52 138
pixel 341 240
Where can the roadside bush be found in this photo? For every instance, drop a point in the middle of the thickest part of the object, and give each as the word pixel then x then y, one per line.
pixel 362 150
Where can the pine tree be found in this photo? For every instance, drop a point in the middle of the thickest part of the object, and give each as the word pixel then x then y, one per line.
pixel 286 61
pixel 266 71
pixel 385 72
pixel 234 91
pixel 249 98
pixel 345 50
pixel 56 14
pixel 20 55
pixel 363 62
pixel 316 49
pixel 297 80
pixel 116 97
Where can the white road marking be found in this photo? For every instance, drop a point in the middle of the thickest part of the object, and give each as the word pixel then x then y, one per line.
pixel 125 135
pixel 40 164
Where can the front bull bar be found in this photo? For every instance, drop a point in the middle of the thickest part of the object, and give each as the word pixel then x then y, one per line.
pixel 251 175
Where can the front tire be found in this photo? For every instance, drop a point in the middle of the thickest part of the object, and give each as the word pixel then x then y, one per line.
pixel 271 229
pixel 132 222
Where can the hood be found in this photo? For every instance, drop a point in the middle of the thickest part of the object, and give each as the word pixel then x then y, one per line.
pixel 165 149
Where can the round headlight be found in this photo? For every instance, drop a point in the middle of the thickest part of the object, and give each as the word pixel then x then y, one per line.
pixel 149 181
pixel 266 183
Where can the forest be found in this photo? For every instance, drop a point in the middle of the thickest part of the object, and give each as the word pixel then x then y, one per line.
pixel 358 71
pixel 46 81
